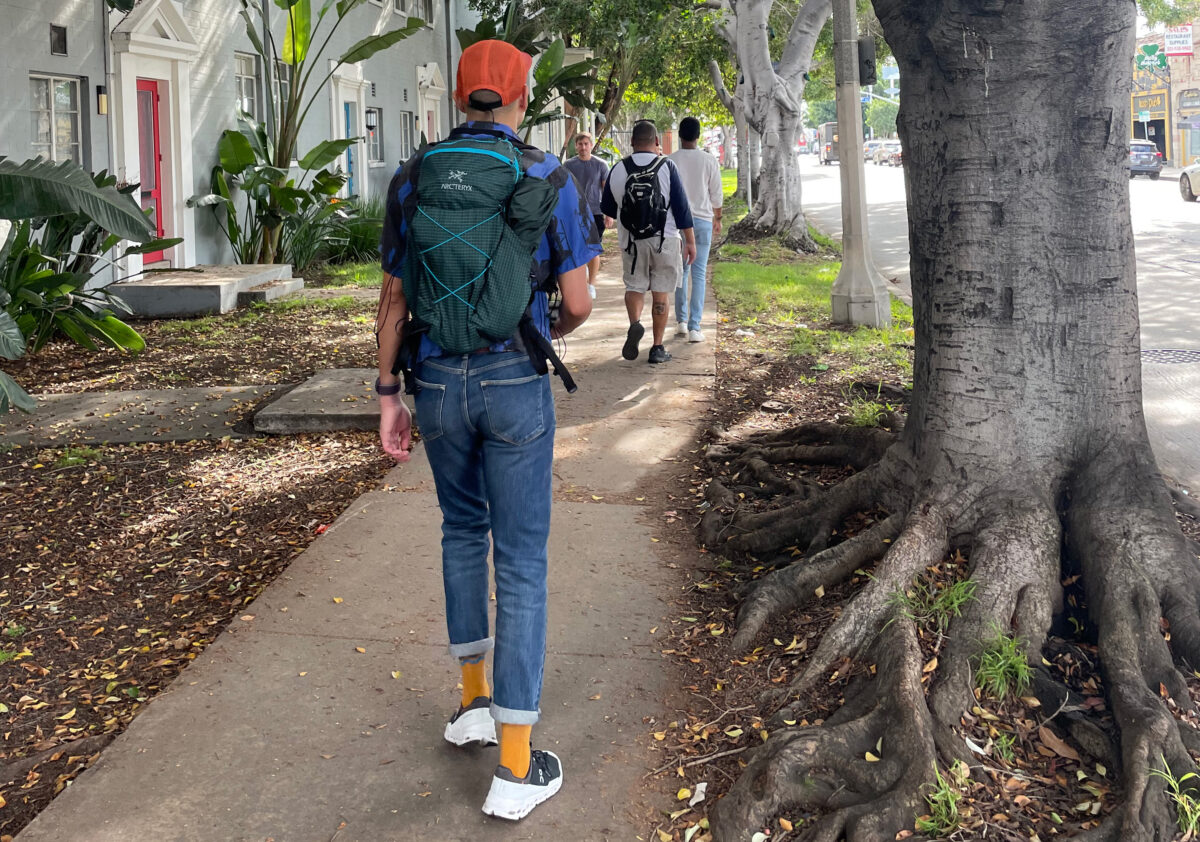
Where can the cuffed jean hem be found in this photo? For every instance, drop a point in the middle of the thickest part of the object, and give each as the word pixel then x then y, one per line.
pixel 509 716
pixel 476 647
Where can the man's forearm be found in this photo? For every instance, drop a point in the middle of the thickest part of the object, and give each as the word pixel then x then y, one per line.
pixel 393 314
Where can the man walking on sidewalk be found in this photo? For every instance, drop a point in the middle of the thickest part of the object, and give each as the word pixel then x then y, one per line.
pixel 590 173
pixel 645 194
pixel 487 417
pixel 701 176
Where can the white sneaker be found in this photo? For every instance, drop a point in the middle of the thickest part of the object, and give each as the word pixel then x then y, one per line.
pixel 695 336
pixel 473 724
pixel 513 798
pixel 592 290
pixel 681 328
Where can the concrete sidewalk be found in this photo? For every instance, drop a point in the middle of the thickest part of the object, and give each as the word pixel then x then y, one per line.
pixel 310 719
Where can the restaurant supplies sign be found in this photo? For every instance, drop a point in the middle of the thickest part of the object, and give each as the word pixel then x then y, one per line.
pixel 1179 40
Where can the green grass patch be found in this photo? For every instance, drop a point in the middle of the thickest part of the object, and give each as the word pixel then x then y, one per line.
pixel 1183 792
pixel 931 601
pixel 14 630
pixel 942 800
pixel 776 293
pixel 6 656
pixel 73 456
pixel 1003 670
pixel 363 274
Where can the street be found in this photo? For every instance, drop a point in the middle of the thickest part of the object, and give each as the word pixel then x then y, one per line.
pixel 1167 237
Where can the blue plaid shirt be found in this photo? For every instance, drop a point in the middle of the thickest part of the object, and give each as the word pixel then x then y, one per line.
pixel 571 240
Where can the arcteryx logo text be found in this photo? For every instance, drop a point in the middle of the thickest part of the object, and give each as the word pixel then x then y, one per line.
pixel 456 181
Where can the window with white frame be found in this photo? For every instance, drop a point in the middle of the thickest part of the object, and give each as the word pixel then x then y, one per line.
pixel 57 131
pixel 406 135
pixel 245 75
pixel 401 6
pixel 375 135
pixel 426 8
pixel 283 86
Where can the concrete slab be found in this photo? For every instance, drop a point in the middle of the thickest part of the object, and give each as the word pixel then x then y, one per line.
pixel 269 291
pixel 334 399
pixel 203 291
pixel 282 730
pixel 135 416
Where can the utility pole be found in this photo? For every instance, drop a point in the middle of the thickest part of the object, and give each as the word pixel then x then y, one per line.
pixel 860 294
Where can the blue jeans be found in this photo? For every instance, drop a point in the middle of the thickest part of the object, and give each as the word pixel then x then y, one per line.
pixel 487 421
pixel 689 306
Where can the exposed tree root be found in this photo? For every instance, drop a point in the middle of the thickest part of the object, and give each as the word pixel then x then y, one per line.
pixel 1111 521
pixel 826 768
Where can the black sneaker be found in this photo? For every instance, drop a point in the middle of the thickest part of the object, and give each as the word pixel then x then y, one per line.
pixel 513 798
pixel 472 724
pixel 636 332
pixel 659 354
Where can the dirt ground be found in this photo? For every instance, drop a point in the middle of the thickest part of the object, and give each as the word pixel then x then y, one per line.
pixel 118 565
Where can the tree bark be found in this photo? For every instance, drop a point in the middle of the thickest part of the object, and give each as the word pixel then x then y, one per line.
pixel 1025 444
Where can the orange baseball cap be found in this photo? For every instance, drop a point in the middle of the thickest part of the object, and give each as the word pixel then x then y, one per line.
pixel 491 66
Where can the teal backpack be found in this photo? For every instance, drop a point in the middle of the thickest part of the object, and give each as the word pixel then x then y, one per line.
pixel 477 223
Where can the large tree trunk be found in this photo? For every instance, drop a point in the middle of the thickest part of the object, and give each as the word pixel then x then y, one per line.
pixel 770 94
pixel 1025 445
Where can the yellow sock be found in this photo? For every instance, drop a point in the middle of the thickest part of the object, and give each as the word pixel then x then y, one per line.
pixel 514 748
pixel 474 679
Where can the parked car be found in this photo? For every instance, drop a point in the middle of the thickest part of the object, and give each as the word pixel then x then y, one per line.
pixel 869 149
pixel 1144 159
pixel 883 154
pixel 1189 182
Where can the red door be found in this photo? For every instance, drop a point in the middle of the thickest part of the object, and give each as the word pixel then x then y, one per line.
pixel 151 157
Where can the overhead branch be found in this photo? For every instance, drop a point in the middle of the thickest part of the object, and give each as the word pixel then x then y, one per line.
pixel 802 38
pixel 718 80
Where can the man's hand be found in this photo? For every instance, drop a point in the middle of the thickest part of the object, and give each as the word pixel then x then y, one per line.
pixel 717 227
pixel 609 222
pixel 689 253
pixel 395 427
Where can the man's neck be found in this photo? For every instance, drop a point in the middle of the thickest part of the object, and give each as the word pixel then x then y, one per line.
pixel 496 117
pixel 649 149
pixel 687 144
pixel 584 156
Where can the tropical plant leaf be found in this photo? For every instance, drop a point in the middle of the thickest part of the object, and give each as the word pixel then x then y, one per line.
pixel 344 7
pixel 299 30
pixel 41 188
pixel 550 63
pixel 156 245
pixel 325 153
pixel 235 152
pixel 12 341
pixel 12 396
pixel 372 44
pixel 118 334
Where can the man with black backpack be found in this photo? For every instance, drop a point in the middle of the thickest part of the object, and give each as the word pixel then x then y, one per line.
pixel 481 232
pixel 645 193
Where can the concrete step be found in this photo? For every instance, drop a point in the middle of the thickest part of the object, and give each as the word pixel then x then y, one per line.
pixel 331 400
pixel 200 291
pixel 269 291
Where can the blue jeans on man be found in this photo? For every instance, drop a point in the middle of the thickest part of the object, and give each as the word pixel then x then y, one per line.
pixel 689 296
pixel 487 420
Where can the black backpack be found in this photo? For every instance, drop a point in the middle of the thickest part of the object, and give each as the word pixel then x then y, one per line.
pixel 643 205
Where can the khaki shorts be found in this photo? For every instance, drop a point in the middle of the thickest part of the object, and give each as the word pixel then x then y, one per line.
pixel 654 270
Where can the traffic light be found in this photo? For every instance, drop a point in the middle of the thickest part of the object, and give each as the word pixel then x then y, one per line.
pixel 866 60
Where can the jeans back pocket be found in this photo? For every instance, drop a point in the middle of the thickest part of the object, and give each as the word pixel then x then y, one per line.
pixel 428 404
pixel 515 408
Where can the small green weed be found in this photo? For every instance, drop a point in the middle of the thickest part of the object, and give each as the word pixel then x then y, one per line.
pixel 928 601
pixel 1184 795
pixel 943 798
pixel 1004 744
pixel 73 456
pixel 190 327
pixel 7 655
pixel 14 630
pixel 865 413
pixel 1003 670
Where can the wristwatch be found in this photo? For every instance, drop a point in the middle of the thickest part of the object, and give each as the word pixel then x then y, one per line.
pixel 392 389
